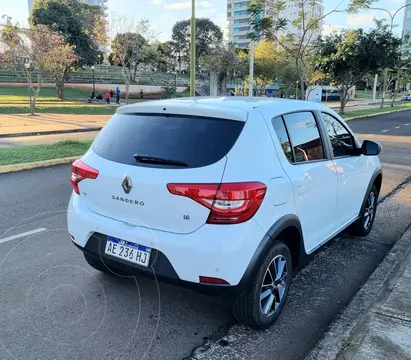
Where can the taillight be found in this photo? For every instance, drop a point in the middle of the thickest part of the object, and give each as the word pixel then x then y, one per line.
pixel 229 203
pixel 79 172
pixel 211 280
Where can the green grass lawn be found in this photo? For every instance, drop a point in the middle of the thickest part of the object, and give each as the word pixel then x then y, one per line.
pixel 25 154
pixel 375 111
pixel 17 94
pixel 76 110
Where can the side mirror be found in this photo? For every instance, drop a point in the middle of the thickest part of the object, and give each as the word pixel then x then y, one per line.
pixel 370 148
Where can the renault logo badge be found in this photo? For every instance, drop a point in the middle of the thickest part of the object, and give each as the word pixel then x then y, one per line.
pixel 127 185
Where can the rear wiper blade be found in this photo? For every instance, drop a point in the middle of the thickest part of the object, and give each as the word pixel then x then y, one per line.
pixel 150 159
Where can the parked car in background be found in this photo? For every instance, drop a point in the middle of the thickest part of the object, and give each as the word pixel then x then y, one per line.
pixel 406 97
pixel 222 195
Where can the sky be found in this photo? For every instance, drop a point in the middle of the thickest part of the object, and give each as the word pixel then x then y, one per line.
pixel 164 13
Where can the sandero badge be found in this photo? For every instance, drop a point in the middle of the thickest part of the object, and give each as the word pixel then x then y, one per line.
pixel 127 185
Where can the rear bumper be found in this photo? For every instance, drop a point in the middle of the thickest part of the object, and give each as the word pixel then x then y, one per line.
pixel 223 252
pixel 160 269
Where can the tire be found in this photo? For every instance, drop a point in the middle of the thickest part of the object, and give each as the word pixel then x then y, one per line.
pixel 97 264
pixel 248 309
pixel 364 224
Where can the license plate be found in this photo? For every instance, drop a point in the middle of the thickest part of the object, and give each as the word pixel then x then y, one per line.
pixel 129 251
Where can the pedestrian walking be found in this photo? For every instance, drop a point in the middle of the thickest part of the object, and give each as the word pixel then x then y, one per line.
pixel 141 94
pixel 108 97
pixel 118 93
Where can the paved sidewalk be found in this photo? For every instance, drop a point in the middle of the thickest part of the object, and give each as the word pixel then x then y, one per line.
pixel 381 330
pixel 49 123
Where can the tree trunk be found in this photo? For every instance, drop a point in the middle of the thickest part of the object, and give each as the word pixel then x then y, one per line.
pixel 344 100
pixel 135 73
pixel 395 91
pixel 60 87
pixel 36 92
pixel 33 103
pixel 127 78
pixel 301 77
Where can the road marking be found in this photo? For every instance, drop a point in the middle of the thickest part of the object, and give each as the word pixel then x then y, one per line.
pixel 397 127
pixel 370 135
pixel 384 131
pixel 406 124
pixel 28 233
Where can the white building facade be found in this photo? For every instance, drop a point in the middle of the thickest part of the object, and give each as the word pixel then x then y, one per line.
pixel 238 19
pixel 406 27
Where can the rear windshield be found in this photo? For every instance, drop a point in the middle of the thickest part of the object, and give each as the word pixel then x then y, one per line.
pixel 196 141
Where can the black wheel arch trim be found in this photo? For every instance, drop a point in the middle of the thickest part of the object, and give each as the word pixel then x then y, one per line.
pixel 370 184
pixel 267 242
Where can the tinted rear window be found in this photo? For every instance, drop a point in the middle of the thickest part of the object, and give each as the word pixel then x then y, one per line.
pixel 197 141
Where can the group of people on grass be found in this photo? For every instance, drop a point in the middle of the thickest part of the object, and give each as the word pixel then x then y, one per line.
pixel 110 94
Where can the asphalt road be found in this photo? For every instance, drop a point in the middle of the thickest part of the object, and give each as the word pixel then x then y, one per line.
pixel 54 306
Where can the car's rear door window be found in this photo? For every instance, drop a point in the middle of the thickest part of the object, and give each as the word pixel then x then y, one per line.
pixel 283 138
pixel 196 141
pixel 305 136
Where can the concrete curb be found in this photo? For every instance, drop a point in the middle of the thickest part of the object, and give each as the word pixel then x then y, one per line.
pixel 51 132
pixel 37 164
pixel 345 324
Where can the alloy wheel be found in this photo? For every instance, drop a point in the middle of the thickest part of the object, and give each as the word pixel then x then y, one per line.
pixel 369 211
pixel 274 286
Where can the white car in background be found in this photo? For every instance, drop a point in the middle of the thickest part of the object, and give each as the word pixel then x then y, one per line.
pixel 222 195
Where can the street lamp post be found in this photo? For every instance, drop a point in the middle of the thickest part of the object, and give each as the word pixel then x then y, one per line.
pixel 193 49
pixel 392 17
pixel 296 89
pixel 8 18
pixel 94 82
pixel 99 63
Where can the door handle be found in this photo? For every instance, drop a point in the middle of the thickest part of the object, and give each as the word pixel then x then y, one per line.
pixel 301 190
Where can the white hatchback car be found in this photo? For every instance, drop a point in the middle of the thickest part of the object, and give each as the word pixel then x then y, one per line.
pixel 223 195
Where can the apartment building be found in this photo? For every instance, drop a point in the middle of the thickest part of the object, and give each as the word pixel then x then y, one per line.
pixel 238 19
pixel 406 27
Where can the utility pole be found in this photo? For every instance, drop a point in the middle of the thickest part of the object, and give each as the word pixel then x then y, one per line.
pixel 193 50
pixel 251 74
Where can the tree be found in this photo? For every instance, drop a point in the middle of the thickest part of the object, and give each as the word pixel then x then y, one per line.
pixel 349 57
pixel 128 45
pixel 47 52
pixel 268 60
pixel 383 33
pixel 224 62
pixel 134 44
pixel 166 55
pixel 273 65
pixel 208 35
pixel 81 25
pixel 150 55
pixel 294 36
